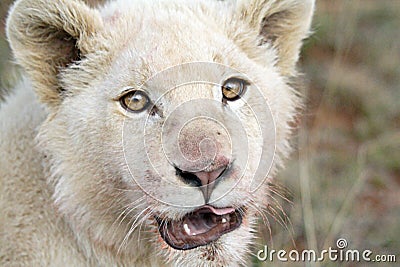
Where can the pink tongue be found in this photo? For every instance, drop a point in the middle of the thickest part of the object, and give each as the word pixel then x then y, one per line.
pixel 222 211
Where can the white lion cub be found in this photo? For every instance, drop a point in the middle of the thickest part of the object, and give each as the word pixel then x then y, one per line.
pixel 145 133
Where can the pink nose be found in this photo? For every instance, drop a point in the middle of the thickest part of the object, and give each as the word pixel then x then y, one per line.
pixel 208 181
pixel 207 178
pixel 204 180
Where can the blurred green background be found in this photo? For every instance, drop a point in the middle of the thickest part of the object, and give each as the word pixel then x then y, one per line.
pixel 343 180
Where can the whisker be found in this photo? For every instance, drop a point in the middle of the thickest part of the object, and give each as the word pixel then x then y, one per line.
pixel 125 214
pixel 131 230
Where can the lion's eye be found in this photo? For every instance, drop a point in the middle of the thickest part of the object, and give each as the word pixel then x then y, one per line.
pixel 135 101
pixel 233 89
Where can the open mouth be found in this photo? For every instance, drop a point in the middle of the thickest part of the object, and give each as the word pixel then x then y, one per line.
pixel 200 227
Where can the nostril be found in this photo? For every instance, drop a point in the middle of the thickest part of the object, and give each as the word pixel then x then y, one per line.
pixel 188 177
pixel 205 181
pixel 200 178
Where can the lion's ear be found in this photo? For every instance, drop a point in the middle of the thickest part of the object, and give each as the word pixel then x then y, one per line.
pixel 48 35
pixel 281 23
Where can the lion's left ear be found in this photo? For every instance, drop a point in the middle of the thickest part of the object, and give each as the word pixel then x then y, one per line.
pixel 281 23
pixel 48 35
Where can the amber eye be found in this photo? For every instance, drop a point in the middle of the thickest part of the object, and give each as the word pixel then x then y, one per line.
pixel 135 101
pixel 233 89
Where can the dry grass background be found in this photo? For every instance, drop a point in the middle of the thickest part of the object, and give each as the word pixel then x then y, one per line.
pixel 344 177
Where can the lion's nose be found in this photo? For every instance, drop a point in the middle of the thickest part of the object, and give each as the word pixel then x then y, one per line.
pixel 205 180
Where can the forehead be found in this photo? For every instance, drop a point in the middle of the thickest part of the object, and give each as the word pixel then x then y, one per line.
pixel 148 37
pixel 168 32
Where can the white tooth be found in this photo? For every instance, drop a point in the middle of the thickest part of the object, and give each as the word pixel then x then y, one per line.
pixel 224 220
pixel 187 229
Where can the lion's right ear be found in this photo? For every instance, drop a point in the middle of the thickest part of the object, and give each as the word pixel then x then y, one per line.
pixel 48 35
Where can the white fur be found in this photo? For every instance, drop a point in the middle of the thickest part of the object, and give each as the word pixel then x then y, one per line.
pixel 67 196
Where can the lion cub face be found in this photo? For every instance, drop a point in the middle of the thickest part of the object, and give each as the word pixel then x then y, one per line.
pixel 165 118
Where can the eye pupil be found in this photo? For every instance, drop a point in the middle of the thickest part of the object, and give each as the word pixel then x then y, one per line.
pixel 136 98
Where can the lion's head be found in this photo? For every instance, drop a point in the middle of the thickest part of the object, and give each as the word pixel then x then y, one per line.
pixel 166 118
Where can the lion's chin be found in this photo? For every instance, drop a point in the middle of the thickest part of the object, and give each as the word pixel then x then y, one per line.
pixel 200 227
